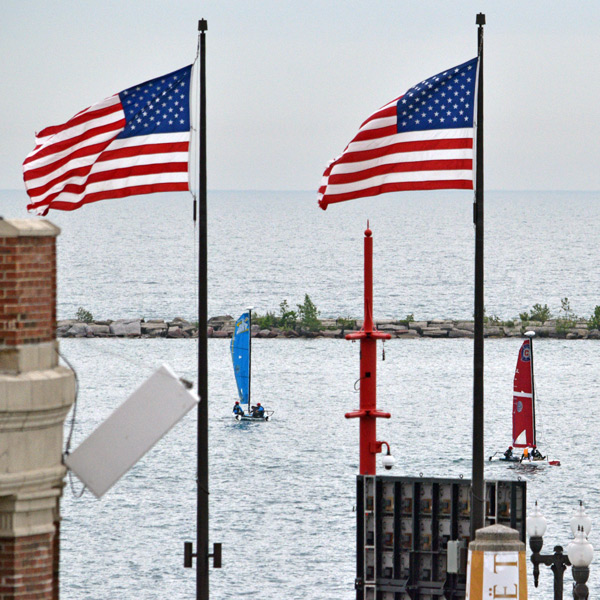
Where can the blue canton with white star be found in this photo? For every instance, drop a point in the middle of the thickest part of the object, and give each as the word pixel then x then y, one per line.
pixel 444 101
pixel 161 105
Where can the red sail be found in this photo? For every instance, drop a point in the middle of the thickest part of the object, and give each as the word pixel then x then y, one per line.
pixel 523 426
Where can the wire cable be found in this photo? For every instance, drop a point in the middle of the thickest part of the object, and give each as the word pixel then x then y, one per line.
pixel 76 494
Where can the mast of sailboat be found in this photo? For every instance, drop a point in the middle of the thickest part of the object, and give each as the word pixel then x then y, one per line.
pixel 530 335
pixel 249 353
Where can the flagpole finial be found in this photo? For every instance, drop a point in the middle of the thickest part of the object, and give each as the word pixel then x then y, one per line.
pixel 480 19
pixel 202 25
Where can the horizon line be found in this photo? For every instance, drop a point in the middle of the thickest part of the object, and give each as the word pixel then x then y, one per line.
pixel 553 191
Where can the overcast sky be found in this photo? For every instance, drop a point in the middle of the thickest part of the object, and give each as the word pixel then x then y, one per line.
pixel 289 82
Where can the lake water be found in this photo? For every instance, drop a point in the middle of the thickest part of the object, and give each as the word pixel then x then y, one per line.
pixel 282 493
pixel 138 258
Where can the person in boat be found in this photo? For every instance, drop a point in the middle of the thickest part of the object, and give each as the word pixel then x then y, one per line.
pixel 258 411
pixel 237 409
pixel 508 454
pixel 526 455
pixel 536 454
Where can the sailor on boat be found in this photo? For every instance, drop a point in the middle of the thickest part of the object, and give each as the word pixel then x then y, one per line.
pixel 258 411
pixel 508 454
pixel 237 409
pixel 536 454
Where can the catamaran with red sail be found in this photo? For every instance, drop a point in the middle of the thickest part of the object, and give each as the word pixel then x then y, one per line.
pixel 524 433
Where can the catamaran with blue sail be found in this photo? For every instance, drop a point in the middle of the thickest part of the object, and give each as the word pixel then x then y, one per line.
pixel 241 356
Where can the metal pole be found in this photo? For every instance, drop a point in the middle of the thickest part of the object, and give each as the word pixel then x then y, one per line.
pixel 249 356
pixel 478 483
pixel 368 336
pixel 202 550
pixel 532 390
pixel 580 589
pixel 558 562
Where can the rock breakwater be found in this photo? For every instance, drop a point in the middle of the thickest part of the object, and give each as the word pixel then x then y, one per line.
pixel 223 326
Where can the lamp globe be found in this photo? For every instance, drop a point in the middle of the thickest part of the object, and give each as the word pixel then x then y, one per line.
pixel 580 551
pixel 580 519
pixel 536 523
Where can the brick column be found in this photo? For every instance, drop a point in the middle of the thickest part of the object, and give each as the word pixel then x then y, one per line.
pixel 35 397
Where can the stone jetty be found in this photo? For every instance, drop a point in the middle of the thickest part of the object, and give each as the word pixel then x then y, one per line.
pixel 222 327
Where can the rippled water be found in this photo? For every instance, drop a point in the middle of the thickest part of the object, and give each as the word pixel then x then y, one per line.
pixel 282 493
pixel 137 258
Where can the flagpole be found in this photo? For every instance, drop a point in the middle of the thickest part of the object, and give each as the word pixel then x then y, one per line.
pixel 478 482
pixel 202 550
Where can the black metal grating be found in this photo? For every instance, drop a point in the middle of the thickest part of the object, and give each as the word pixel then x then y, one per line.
pixel 404 525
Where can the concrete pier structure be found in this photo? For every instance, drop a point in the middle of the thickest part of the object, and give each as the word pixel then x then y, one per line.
pixel 497 565
pixel 35 397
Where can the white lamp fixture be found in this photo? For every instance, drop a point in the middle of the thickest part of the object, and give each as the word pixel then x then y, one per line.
pixel 580 551
pixel 536 523
pixel 580 520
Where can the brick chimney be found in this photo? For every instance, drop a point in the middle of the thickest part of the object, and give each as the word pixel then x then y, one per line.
pixel 35 397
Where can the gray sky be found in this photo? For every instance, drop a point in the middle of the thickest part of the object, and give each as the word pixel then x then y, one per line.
pixel 289 82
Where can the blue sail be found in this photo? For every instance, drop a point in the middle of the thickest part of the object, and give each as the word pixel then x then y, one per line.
pixel 240 355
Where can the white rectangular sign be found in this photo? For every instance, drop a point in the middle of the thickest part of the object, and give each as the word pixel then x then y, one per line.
pixel 131 430
pixel 494 575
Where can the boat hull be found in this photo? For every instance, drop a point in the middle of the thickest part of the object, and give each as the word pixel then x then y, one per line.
pixel 251 418
pixel 526 463
pixel 514 459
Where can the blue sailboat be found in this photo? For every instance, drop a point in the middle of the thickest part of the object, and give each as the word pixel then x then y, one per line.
pixel 241 356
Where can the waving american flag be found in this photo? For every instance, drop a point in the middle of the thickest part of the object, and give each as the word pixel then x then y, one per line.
pixel 135 142
pixel 420 141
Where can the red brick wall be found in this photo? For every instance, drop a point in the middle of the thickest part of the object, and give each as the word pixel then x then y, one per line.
pixel 27 290
pixel 26 568
pixel 56 562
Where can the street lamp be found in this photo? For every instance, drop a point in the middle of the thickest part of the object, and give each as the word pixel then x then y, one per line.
pixel 536 527
pixel 579 552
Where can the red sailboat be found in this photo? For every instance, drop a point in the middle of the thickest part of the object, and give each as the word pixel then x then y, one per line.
pixel 523 399
pixel 523 414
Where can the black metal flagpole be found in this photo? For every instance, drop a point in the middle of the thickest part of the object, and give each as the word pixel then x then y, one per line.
pixel 478 482
pixel 202 550
pixel 202 567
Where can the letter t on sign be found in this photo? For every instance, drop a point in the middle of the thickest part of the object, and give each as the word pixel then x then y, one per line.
pixel 499 563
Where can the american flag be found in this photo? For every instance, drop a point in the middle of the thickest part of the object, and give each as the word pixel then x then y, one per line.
pixel 135 142
pixel 420 141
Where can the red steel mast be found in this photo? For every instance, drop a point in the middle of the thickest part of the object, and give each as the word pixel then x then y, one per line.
pixel 368 413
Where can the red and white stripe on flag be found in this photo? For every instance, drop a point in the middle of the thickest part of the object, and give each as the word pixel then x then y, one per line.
pixel 420 141
pixel 125 145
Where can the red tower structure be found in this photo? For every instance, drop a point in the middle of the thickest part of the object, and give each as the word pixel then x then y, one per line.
pixel 368 336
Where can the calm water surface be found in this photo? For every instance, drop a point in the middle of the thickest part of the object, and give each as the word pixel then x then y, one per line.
pixel 282 493
pixel 138 258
